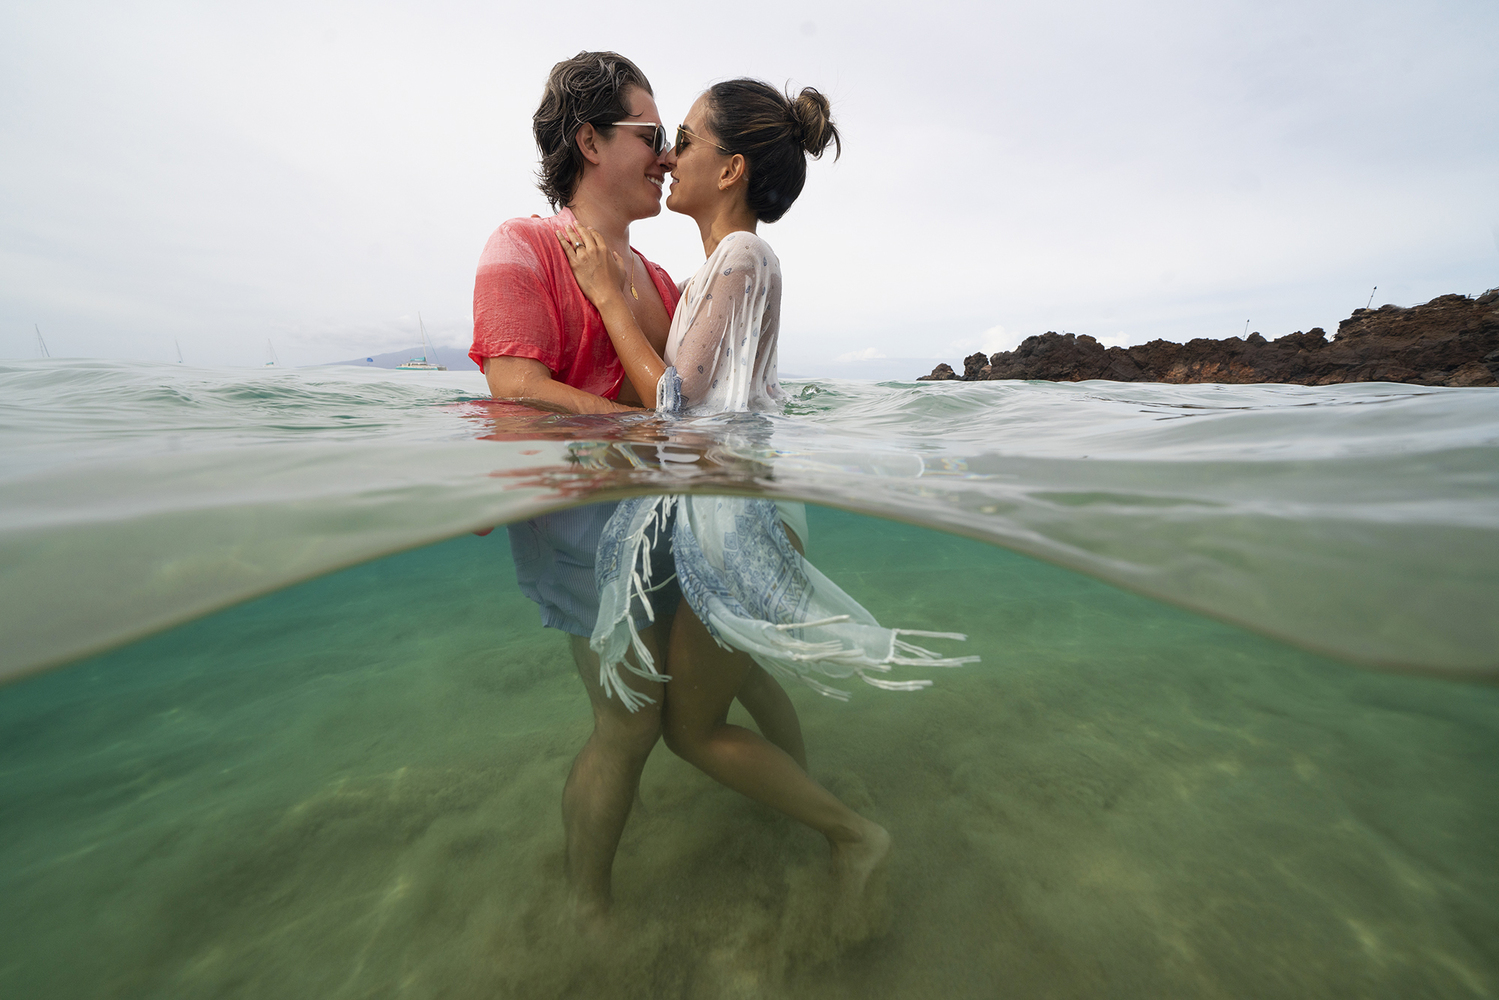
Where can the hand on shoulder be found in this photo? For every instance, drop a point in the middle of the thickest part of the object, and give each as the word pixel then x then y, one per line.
pixel 599 270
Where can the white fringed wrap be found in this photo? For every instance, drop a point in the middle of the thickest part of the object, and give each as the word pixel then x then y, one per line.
pixel 737 569
pixel 752 590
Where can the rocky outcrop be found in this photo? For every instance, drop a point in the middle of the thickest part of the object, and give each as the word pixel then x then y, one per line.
pixel 1451 340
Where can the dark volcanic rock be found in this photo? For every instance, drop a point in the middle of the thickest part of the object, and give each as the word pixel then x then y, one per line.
pixel 975 366
pixel 942 373
pixel 1451 340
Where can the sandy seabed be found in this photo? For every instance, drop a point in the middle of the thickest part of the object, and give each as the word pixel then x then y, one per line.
pixel 351 789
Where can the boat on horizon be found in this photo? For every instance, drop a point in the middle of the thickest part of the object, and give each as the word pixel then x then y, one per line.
pixel 420 363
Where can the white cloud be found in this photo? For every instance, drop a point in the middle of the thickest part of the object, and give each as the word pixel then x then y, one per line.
pixel 867 354
pixel 992 340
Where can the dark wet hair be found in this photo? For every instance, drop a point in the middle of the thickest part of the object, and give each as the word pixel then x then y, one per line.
pixel 588 88
pixel 774 132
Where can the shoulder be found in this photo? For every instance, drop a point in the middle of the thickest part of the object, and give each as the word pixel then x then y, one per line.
pixel 739 250
pixel 532 226
pixel 522 239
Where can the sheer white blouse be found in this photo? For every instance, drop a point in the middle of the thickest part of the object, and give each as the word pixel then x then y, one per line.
pixel 722 341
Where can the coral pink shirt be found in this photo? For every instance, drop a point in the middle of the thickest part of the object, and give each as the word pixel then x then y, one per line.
pixel 527 304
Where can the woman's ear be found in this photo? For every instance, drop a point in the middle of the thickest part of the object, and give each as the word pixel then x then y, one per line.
pixel 588 143
pixel 732 173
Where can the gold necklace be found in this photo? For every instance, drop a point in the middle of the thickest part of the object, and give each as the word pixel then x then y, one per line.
pixel 634 294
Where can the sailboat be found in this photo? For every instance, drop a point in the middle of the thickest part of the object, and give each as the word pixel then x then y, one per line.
pixel 421 364
pixel 40 342
pixel 270 353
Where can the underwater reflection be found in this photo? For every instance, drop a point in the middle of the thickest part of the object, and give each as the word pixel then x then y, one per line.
pixel 349 788
pixel 610 455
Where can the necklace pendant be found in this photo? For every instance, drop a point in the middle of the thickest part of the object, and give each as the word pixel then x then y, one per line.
pixel 633 292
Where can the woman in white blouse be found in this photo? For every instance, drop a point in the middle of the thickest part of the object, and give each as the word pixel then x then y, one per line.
pixel 739 159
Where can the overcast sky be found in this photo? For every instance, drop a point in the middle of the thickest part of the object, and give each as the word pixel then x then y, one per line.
pixel 317 174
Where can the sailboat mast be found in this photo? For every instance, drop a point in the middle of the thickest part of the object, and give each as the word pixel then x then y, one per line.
pixel 40 342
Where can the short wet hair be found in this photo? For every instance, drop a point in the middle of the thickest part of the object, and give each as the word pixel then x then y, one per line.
pixel 588 88
pixel 774 132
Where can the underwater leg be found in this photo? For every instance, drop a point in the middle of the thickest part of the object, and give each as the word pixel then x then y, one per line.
pixel 774 713
pixel 705 679
pixel 603 782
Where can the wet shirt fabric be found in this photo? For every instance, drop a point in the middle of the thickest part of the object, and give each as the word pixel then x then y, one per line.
pixel 723 336
pixel 527 304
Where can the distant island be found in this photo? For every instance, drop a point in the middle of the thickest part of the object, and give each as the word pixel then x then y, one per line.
pixel 1451 340
pixel 456 358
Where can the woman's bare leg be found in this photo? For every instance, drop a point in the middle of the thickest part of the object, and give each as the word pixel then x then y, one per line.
pixel 761 695
pixel 602 785
pixel 705 679
pixel 771 708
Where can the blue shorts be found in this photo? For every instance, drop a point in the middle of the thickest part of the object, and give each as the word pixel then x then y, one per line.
pixel 554 563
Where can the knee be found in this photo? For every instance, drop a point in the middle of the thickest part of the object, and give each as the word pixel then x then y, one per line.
pixel 682 741
pixel 629 733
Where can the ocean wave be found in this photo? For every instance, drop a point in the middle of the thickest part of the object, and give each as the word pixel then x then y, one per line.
pixel 1359 520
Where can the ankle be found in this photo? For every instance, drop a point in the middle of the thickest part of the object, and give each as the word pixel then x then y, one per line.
pixel 590 905
pixel 850 832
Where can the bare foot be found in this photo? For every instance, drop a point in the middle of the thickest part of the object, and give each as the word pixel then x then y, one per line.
pixel 591 916
pixel 854 861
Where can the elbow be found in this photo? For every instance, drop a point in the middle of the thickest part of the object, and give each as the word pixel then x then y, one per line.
pixel 508 380
pixel 506 388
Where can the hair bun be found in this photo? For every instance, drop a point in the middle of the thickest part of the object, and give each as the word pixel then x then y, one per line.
pixel 813 115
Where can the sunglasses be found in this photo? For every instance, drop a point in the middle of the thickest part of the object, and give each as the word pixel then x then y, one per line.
pixel 682 141
pixel 659 141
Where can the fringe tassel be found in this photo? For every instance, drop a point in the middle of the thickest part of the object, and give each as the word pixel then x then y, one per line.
pixel 927 658
pixel 640 587
pixel 821 621
pixel 959 636
pixel 893 685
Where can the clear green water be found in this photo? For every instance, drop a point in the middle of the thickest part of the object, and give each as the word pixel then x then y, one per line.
pixel 1359 520
pixel 350 788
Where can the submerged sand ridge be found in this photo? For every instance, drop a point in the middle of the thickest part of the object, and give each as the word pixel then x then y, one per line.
pixel 350 788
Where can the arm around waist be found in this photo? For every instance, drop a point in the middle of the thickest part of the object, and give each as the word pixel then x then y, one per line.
pixel 528 380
